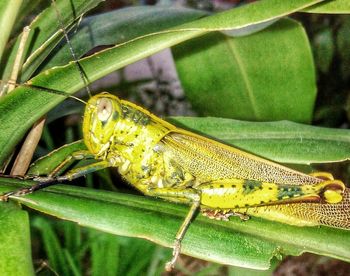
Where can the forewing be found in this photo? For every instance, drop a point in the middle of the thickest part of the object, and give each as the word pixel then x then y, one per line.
pixel 209 160
pixel 334 215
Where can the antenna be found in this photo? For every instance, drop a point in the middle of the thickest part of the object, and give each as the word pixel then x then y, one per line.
pixel 80 68
pixel 45 89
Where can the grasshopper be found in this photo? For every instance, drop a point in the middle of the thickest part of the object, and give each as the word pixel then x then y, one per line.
pixel 162 160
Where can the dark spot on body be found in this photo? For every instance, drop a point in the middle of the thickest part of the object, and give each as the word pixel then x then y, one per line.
pixel 250 186
pixel 289 192
pixel 125 111
pixel 115 116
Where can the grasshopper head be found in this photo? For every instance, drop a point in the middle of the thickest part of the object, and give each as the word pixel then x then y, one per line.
pixel 101 115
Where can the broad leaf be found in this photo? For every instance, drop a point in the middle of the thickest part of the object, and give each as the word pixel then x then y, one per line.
pixel 334 6
pixel 249 244
pixel 258 77
pixel 8 14
pixel 283 141
pixel 15 246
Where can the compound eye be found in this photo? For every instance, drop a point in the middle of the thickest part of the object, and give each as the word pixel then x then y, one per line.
pixel 104 109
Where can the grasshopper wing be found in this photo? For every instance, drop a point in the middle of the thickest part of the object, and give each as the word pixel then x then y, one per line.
pixel 308 214
pixel 208 160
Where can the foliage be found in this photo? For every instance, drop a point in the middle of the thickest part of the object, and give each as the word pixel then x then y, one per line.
pixel 248 63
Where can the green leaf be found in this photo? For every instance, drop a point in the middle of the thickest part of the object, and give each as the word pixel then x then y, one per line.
pixel 69 262
pixel 343 46
pixel 53 248
pixel 15 258
pixel 44 35
pixel 334 6
pixel 324 49
pixel 120 26
pixel 28 9
pixel 258 77
pixel 72 237
pixel 142 251
pixel 249 244
pixel 8 14
pixel 25 105
pixel 283 141
pixel 44 167
pixel 105 254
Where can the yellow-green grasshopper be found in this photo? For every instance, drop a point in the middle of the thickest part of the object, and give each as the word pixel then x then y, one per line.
pixel 164 161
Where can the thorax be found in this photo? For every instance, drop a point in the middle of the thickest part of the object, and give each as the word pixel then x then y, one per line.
pixel 135 138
